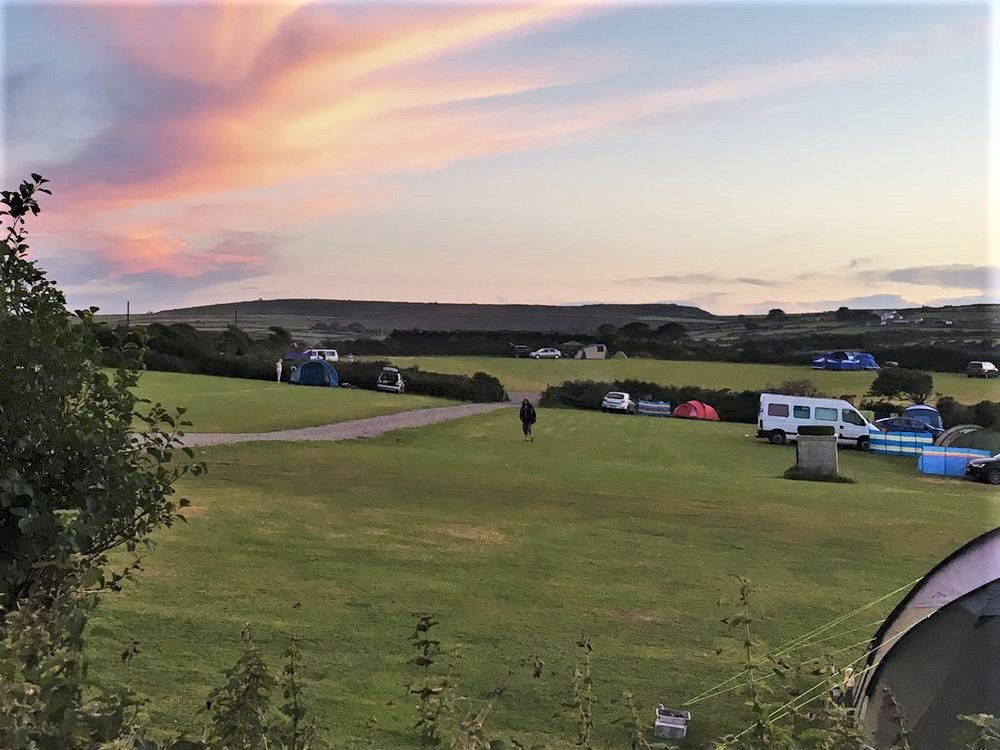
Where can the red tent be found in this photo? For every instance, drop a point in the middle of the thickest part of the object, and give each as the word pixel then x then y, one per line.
pixel 696 410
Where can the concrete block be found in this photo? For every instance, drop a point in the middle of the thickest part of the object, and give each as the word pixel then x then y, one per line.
pixel 817 454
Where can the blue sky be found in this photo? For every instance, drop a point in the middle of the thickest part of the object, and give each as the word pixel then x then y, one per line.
pixel 736 157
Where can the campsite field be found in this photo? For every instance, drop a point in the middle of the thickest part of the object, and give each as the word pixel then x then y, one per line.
pixel 625 530
pixel 235 405
pixel 535 375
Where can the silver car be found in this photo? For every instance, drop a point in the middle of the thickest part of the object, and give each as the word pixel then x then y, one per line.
pixel 546 353
pixel 618 401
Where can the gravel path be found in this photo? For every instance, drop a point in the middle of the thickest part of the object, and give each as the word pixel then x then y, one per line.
pixel 357 428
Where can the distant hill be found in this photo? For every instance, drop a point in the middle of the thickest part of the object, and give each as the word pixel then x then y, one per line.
pixel 387 316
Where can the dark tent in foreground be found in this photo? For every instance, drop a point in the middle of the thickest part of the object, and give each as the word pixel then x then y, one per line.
pixel 315 372
pixel 938 653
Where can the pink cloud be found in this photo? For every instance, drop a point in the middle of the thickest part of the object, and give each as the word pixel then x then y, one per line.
pixel 314 103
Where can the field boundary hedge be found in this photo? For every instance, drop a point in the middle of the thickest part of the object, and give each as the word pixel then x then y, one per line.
pixel 733 406
pixel 478 387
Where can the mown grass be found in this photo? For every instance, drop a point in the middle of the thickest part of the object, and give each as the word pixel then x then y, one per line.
pixel 235 405
pixel 623 529
pixel 535 375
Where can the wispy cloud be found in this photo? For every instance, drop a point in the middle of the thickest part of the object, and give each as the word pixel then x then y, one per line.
pixel 688 279
pixel 954 275
pixel 261 116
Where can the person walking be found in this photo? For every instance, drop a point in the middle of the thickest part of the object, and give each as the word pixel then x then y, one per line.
pixel 528 418
pixel 277 369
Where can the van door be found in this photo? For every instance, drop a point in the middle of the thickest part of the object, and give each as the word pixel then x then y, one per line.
pixel 852 425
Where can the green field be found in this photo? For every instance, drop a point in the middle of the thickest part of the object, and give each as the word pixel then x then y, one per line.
pixel 622 529
pixel 535 375
pixel 236 405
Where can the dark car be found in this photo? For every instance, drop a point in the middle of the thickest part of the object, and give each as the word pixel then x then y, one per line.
pixel 984 469
pixel 520 351
pixel 906 424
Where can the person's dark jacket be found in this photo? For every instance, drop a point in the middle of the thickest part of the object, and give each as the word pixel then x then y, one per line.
pixel 527 413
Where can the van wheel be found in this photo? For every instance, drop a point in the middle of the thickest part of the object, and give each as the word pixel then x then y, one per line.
pixel 864 444
pixel 993 476
pixel 777 437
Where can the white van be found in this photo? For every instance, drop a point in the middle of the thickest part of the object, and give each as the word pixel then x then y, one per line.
pixel 781 416
pixel 330 355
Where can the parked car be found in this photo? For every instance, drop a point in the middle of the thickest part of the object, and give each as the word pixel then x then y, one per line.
pixel 781 416
pixel 981 370
pixel 390 379
pixel 520 351
pixel 906 424
pixel 618 401
pixel 546 353
pixel 984 469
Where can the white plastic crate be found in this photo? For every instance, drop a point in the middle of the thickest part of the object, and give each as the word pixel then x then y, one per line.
pixel 671 724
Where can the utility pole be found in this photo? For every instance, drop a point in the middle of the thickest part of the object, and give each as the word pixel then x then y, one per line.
pixel 128 311
pixel 236 317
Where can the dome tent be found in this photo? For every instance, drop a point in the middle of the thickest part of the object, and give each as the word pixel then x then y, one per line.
pixel 938 653
pixel 315 372
pixel 696 410
pixel 926 414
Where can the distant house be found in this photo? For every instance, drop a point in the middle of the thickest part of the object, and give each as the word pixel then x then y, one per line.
pixel 886 316
pixel 592 351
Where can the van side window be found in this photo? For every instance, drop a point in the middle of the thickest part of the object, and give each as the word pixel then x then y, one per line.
pixel 852 417
pixel 800 412
pixel 777 410
pixel 827 415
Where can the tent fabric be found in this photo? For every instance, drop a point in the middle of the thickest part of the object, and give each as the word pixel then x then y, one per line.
pixel 696 410
pixel 926 647
pixel 867 361
pixel 315 372
pixel 926 414
pixel 944 666
pixel 843 360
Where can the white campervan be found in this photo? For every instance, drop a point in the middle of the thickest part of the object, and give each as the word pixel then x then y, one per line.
pixel 780 417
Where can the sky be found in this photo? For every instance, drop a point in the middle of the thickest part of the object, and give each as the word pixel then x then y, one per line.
pixel 737 157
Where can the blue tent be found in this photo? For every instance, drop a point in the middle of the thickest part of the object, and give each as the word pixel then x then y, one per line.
pixel 867 361
pixel 926 414
pixel 315 372
pixel 841 360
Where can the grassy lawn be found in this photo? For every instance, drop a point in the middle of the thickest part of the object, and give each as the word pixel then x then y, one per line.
pixel 623 529
pixel 535 375
pixel 238 405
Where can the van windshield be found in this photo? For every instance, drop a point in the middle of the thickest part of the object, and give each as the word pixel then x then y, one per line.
pixel 852 417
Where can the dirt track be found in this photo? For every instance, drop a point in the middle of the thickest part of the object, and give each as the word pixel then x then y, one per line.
pixel 357 428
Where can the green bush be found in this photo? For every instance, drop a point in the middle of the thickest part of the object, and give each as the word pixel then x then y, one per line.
pixel 985 413
pixel 899 383
pixel 479 387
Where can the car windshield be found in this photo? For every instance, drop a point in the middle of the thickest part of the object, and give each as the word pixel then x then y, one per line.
pixel 615 395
